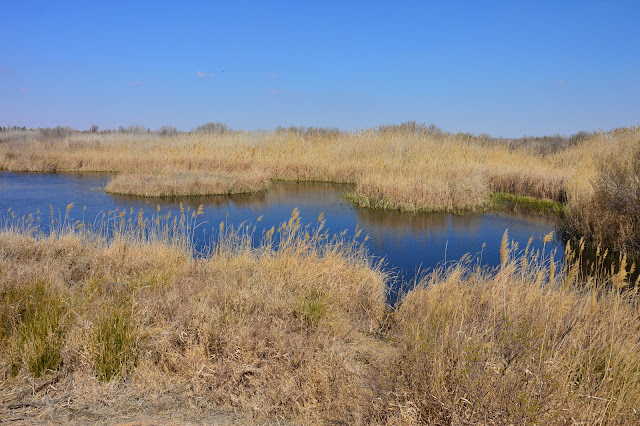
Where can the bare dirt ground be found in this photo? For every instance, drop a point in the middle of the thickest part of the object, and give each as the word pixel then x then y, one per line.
pixel 52 403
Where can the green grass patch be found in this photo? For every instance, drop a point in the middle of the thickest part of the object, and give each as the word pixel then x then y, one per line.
pixel 116 343
pixel 33 319
pixel 313 307
pixel 522 203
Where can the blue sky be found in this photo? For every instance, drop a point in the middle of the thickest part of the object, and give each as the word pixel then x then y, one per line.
pixel 506 68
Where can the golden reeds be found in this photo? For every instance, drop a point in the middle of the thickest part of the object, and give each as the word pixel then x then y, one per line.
pixel 172 184
pixel 391 169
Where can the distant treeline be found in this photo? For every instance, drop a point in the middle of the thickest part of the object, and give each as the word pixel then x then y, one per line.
pixel 543 144
pixel 22 132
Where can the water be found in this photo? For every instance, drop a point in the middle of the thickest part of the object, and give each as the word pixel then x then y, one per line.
pixel 408 243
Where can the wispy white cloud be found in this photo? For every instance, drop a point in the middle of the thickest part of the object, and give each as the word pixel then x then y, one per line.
pixel 286 92
pixel 134 84
pixel 201 74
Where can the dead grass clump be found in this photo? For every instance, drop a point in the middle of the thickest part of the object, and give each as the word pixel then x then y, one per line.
pixel 296 329
pixel 169 184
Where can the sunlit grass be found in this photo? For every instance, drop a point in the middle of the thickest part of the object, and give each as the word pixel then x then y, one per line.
pixel 394 168
pixel 293 324
pixel 173 184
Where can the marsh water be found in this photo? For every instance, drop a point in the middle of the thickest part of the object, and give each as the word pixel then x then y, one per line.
pixel 408 243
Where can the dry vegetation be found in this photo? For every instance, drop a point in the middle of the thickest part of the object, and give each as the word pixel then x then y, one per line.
pixel 607 210
pixel 296 329
pixel 403 167
pixel 171 184
pixel 124 321
pixel 593 178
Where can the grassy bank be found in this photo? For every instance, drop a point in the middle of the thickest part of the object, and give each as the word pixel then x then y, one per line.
pixel 297 329
pixel 524 204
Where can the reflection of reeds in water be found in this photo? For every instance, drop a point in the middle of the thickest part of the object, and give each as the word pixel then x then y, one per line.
pixel 303 193
pixel 292 324
pixel 255 200
pixel 595 265
pixel 420 223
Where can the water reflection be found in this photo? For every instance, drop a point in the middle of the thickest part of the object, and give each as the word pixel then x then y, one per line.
pixel 406 242
pixel 217 201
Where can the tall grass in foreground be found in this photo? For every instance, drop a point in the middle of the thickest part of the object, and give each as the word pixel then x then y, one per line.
pixel 525 345
pixel 296 328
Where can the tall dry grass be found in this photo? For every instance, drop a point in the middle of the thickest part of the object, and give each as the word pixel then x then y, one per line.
pixel 277 330
pixel 607 208
pixel 525 345
pixel 124 320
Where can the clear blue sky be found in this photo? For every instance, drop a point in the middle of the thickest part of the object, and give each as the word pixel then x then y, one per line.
pixel 506 68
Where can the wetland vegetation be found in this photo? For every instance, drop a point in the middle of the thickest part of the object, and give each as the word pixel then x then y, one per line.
pixel 293 324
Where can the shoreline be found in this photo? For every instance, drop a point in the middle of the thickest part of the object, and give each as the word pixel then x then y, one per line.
pixel 498 201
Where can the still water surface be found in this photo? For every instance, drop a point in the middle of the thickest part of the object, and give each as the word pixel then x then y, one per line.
pixel 408 243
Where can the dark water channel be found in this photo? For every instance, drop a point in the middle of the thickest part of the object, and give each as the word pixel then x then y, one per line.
pixel 408 243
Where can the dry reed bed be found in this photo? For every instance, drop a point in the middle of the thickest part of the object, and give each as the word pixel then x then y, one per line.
pixel 605 206
pixel 296 329
pixel 172 184
pixel 522 346
pixel 393 169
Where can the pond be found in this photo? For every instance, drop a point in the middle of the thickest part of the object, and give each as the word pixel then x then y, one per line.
pixel 408 243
